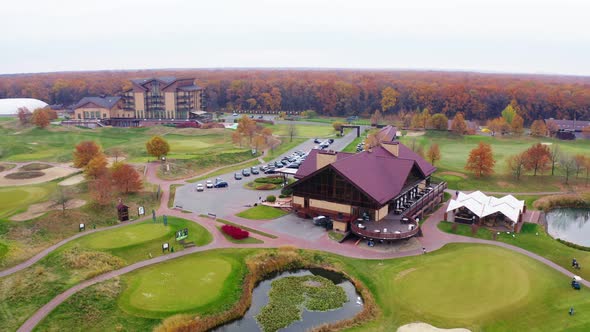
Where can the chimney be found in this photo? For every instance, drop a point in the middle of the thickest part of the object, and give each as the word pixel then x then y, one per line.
pixel 324 158
pixel 391 147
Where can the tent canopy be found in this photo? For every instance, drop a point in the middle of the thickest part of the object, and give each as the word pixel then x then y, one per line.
pixel 482 205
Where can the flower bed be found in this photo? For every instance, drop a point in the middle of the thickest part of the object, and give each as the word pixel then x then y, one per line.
pixel 235 232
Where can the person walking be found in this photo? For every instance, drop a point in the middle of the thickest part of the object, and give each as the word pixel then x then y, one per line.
pixel 423 250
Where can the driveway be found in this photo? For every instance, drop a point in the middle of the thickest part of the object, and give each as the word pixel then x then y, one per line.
pixel 235 198
pixel 294 226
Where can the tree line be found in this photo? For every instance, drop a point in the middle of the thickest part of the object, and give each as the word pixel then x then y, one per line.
pixel 337 92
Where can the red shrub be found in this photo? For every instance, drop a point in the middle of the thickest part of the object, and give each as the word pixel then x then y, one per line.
pixel 235 232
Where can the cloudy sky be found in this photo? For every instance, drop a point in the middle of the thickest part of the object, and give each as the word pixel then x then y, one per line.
pixel 483 35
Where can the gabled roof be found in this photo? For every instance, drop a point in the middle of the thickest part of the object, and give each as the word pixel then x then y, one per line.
pixel 407 153
pixel 387 134
pixel 378 173
pixel 482 205
pixel 164 79
pixel 104 102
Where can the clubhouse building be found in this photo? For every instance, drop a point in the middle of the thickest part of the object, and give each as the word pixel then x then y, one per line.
pixel 156 100
pixel 376 194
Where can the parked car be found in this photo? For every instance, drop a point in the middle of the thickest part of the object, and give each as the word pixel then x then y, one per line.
pixel 320 220
pixel 294 165
pixel 261 117
pixel 218 180
pixel 270 171
pixel 317 141
pixel 209 184
pixel 278 164
pixel 331 140
pixel 237 176
pixel 221 184
pixel 200 187
pixel 254 170
pixel 246 172
pixel 235 114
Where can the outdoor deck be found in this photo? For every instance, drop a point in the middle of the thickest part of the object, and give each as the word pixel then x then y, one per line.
pixel 391 227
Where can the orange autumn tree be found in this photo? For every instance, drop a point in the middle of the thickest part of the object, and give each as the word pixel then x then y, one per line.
pixel 125 178
pixel 481 160
pixel 537 158
pixel 433 153
pixel 96 167
pixel 538 128
pixel 157 147
pixel 84 152
pixel 459 126
pixel 101 189
pixel 40 118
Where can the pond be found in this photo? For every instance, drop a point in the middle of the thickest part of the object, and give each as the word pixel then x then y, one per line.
pixel 260 298
pixel 572 225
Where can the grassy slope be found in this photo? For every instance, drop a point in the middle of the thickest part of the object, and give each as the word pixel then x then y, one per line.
pixel 462 285
pixel 261 212
pixel 24 292
pixel 532 238
pixel 455 150
pixel 15 200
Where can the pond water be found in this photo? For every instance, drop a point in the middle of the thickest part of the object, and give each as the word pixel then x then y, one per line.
pixel 310 318
pixel 572 225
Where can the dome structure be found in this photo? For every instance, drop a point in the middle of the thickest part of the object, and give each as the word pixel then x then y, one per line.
pixel 10 106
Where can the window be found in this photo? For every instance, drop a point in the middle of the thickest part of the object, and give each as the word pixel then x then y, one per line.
pixel 79 116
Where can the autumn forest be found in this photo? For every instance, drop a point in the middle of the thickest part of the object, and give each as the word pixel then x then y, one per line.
pixel 335 92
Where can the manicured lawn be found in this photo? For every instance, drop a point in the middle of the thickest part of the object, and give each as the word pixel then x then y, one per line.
pixel 172 194
pixel 251 230
pixel 479 287
pixel 455 150
pixel 176 286
pixel 24 292
pixel 309 131
pixel 14 200
pixel 352 146
pixel 262 212
pixel 532 238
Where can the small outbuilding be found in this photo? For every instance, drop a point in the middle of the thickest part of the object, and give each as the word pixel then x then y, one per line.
pixel 478 208
pixel 122 211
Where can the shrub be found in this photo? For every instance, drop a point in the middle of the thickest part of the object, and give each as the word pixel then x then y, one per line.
pixel 573 245
pixel 287 191
pixel 235 232
pixel 269 179
pixel 271 198
pixel 266 186
pixel 568 200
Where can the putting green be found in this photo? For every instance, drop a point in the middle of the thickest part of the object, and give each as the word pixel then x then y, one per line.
pixel 14 199
pixel 176 286
pixel 473 288
pixel 126 236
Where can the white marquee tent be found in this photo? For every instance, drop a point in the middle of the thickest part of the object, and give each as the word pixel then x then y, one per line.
pixel 10 106
pixel 482 205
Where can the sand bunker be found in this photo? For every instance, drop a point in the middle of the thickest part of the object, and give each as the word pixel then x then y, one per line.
pixel 50 174
pixel 72 180
pixel 423 327
pixel 415 133
pixel 37 210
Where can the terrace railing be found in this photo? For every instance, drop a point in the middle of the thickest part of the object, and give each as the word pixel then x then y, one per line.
pixel 423 201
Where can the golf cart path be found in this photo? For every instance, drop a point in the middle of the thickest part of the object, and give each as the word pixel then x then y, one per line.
pixel 434 239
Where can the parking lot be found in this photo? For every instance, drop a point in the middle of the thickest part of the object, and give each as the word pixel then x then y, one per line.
pixel 235 198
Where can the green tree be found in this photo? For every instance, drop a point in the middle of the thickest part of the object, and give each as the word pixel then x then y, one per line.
pixel 440 121
pixel 508 113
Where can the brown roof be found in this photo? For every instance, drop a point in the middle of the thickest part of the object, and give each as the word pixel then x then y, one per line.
pixel 378 173
pixel 387 134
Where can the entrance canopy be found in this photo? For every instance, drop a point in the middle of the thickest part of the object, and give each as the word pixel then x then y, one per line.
pixel 482 205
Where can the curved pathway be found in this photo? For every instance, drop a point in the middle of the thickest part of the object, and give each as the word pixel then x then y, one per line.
pixel 433 239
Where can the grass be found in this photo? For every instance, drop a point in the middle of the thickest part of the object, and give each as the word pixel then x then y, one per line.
pixel 267 183
pixel 186 168
pixel 172 194
pixel 308 131
pixel 25 291
pixel 262 212
pixel 534 239
pixel 176 286
pixel 352 146
pixel 479 287
pixel 455 150
pixel 15 200
pixel 248 240
pixel 251 230
pixel 336 236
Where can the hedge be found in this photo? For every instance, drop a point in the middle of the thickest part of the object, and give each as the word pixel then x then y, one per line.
pixel 235 232
pixel 271 198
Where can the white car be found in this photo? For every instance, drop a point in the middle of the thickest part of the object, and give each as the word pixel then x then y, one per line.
pixel 235 114
pixel 200 187
pixel 209 184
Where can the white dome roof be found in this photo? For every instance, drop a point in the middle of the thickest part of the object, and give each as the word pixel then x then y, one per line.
pixel 10 106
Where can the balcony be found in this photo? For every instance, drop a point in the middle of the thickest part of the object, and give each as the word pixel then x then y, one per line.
pixel 398 224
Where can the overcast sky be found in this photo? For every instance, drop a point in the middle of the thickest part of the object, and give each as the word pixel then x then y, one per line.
pixel 483 35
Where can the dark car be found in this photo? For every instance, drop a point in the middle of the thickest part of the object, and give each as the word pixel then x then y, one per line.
pixel 294 165
pixel 331 140
pixel 317 141
pixel 237 176
pixel 320 220
pixel 261 117
pixel 254 170
pixel 270 171
pixel 246 172
pixel 221 184
pixel 278 164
